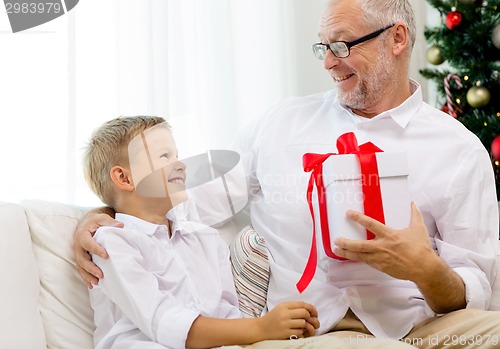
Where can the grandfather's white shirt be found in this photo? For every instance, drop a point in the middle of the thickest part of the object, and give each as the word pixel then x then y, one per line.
pixel 450 179
pixel 154 286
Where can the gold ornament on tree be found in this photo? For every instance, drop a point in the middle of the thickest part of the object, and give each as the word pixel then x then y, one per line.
pixel 434 55
pixel 478 96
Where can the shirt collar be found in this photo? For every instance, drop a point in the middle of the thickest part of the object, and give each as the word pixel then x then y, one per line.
pixel 400 114
pixel 140 225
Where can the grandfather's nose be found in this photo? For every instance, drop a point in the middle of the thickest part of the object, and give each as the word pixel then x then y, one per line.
pixel 330 60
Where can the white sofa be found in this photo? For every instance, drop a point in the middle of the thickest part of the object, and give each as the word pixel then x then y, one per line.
pixel 43 302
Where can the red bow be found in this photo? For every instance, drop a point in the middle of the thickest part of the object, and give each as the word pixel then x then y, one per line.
pixel 370 182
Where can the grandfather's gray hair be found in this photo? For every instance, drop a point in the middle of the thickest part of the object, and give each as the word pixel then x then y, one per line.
pixel 380 13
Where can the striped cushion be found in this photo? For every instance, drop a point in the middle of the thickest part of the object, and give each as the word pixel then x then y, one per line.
pixel 250 268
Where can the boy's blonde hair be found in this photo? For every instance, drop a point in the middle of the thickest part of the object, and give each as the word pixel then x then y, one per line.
pixel 108 147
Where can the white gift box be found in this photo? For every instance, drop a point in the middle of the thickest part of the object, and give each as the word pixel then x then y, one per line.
pixel 342 180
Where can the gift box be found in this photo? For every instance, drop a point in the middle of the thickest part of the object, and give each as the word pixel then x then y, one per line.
pixel 362 178
pixel 343 181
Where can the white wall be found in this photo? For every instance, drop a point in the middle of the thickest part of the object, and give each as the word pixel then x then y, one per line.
pixel 310 76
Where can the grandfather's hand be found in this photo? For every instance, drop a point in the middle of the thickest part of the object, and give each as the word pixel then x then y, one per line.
pixel 84 244
pixel 404 254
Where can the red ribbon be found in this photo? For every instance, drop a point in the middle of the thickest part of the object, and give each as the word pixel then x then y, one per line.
pixel 370 183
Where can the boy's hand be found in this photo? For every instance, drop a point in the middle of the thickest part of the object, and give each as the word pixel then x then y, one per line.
pixel 84 244
pixel 290 320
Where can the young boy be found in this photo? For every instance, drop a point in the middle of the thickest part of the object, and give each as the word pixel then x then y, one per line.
pixel 167 284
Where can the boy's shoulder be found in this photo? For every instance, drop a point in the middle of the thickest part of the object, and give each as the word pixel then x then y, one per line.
pixel 133 228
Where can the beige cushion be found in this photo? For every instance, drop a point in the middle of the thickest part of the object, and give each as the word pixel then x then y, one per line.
pixel 20 322
pixel 64 300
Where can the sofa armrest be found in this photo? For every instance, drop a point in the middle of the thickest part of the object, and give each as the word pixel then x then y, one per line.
pixel 20 321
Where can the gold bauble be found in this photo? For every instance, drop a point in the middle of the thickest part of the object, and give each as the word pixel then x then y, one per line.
pixel 434 55
pixel 478 96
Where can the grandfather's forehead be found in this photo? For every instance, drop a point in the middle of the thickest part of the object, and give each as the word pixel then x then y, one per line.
pixel 340 18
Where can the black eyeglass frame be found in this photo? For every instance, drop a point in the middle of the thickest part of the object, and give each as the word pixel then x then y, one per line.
pixel 349 44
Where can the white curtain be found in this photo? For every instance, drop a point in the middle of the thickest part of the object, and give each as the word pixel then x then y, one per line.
pixel 208 66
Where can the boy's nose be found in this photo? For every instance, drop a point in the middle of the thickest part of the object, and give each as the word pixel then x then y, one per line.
pixel 180 166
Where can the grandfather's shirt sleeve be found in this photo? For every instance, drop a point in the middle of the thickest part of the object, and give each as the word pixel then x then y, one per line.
pixel 134 279
pixel 467 221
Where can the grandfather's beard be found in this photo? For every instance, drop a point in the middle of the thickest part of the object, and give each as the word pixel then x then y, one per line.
pixel 368 91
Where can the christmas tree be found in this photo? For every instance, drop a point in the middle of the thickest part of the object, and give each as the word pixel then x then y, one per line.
pixel 465 47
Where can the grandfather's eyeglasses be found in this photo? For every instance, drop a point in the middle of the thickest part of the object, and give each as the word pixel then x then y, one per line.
pixel 342 49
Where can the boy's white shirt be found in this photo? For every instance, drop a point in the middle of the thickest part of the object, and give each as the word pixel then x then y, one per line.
pixel 154 286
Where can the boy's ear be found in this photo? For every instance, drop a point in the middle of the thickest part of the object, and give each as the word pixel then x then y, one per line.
pixel 121 178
